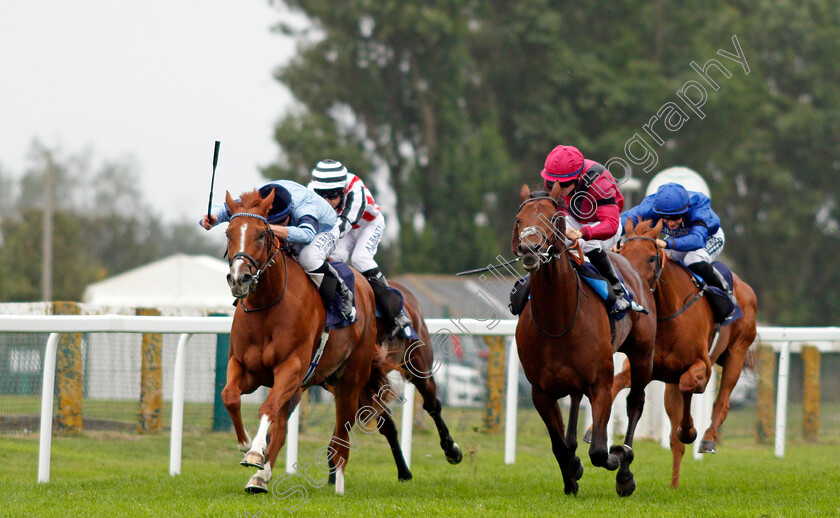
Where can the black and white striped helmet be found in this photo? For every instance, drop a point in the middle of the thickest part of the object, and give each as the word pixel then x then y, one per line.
pixel 329 175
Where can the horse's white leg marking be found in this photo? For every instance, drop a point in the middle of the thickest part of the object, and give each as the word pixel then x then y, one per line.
pixel 339 481
pixel 259 443
pixel 265 473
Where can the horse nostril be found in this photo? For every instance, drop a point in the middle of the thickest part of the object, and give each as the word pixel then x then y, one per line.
pixel 230 279
pixel 246 278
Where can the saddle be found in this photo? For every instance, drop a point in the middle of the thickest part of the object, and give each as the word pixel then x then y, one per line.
pixel 521 292
pixel 724 311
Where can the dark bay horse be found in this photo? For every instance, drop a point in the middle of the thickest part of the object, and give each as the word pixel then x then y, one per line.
pixel 564 343
pixel 415 359
pixel 277 324
pixel 685 331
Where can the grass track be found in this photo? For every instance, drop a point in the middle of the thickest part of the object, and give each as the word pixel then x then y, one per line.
pixel 118 474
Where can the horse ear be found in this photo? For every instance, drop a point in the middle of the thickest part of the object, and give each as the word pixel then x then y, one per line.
pixel 524 192
pixel 230 202
pixel 555 191
pixel 629 229
pixel 658 227
pixel 265 205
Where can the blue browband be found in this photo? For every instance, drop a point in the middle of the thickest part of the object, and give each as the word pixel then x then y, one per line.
pixel 248 214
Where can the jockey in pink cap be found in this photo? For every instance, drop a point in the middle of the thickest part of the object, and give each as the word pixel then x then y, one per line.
pixel 593 204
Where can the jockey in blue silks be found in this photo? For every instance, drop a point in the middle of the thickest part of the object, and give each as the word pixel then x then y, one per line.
pixel 303 219
pixel 692 229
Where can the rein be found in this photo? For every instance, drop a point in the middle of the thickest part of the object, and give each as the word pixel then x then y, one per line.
pixel 658 272
pixel 273 249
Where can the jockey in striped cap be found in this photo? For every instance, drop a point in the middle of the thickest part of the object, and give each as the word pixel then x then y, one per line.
pixel 358 231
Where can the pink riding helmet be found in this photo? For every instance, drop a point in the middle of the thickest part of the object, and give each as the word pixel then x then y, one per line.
pixel 563 164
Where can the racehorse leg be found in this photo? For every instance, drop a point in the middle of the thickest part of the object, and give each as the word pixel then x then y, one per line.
pixel 620 381
pixel 549 411
pixel 640 367
pixel 601 402
pixel 274 414
pixel 389 430
pixel 729 377
pixel 575 465
pixel 674 409
pixel 421 360
pixel 693 381
pixel 238 381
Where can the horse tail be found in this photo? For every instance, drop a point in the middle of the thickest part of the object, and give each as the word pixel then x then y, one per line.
pixel 378 389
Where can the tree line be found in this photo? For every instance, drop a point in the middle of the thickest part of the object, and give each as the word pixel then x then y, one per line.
pixel 453 105
pixel 97 230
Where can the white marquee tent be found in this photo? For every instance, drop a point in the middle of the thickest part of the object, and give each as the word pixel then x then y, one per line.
pixel 178 281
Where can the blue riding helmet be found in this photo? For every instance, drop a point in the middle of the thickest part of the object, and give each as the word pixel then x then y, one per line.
pixel 281 205
pixel 671 199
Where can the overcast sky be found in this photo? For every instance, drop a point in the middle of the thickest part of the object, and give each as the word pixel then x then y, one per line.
pixel 156 80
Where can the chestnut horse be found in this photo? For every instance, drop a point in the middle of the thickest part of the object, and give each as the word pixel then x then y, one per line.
pixel 276 326
pixel 564 343
pixel 685 330
pixel 415 359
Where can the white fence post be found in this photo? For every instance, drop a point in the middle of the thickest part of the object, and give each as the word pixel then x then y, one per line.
pixel 47 388
pixel 292 434
pixel 177 431
pixel 511 403
pixel 407 422
pixel 781 399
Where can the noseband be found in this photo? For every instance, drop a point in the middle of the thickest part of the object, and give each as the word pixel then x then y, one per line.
pixel 657 271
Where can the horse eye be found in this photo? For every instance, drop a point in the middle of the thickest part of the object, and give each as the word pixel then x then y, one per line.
pixel 652 259
pixel 261 235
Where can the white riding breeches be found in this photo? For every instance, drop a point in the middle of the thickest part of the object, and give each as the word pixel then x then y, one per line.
pixel 360 244
pixel 313 255
pixel 707 254
pixel 592 244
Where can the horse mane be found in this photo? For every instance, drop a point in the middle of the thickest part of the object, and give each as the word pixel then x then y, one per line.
pixel 250 200
pixel 540 193
pixel 644 227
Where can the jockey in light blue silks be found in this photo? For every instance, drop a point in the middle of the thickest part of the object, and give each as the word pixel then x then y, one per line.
pixel 303 219
pixel 692 230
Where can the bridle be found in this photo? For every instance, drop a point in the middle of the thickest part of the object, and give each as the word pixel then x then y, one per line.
pixel 549 256
pixel 658 272
pixel 272 249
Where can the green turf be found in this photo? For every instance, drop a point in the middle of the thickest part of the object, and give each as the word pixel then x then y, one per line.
pixel 124 474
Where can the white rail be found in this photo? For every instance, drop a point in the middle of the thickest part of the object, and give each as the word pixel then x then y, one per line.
pixel 786 340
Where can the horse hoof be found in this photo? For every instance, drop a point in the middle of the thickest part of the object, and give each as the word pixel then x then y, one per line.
pixel 256 485
pixel 686 437
pixel 587 437
pixel 253 459
pixel 707 446
pixel 612 463
pixel 625 487
pixel 454 454
pixel 571 489
pixel 576 468
pixel 405 477
pixel 623 452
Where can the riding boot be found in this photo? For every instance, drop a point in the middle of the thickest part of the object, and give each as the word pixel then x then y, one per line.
pixel 388 303
pixel 334 282
pixel 713 277
pixel 601 261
